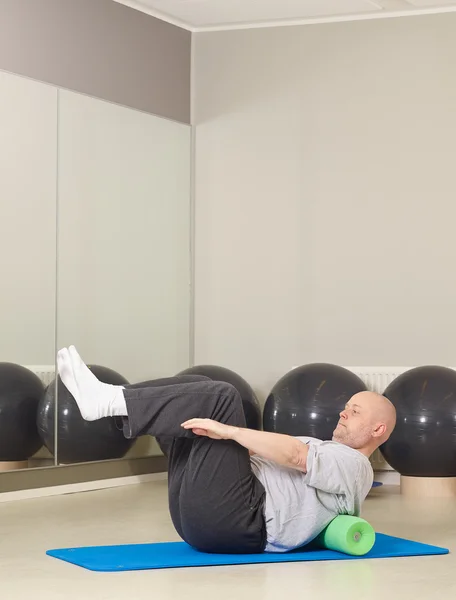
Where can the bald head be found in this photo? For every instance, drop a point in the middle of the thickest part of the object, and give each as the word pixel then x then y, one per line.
pixel 379 409
pixel 366 422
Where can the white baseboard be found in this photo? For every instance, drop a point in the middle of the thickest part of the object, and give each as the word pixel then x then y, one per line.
pixel 86 486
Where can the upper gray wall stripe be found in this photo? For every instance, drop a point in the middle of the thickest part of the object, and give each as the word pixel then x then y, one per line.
pixel 100 48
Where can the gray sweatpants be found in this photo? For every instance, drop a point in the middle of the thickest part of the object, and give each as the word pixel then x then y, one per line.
pixel 215 500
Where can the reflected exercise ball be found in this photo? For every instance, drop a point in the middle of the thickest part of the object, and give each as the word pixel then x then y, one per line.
pixel 307 400
pixel 252 409
pixel 423 443
pixel 20 393
pixel 79 440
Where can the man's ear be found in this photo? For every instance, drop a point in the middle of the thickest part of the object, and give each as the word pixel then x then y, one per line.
pixel 379 430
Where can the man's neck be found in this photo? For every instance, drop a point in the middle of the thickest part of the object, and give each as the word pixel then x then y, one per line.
pixel 367 451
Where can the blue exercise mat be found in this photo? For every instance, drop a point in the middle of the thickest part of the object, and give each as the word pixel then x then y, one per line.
pixel 178 554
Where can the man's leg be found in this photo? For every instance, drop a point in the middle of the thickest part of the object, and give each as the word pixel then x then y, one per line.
pixel 177 451
pixel 216 500
pixel 166 442
pixel 221 501
pixel 167 381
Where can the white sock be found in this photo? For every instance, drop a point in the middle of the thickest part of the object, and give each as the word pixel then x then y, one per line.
pixel 78 364
pixel 95 399
pixel 66 371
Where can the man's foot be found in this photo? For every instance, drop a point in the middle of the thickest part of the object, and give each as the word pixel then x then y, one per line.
pixel 95 399
pixel 66 371
pixel 79 366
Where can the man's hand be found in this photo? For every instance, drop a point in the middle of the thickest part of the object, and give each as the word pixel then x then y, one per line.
pixel 210 429
pixel 282 449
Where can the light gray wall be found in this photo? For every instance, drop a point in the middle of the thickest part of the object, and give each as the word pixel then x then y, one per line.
pixel 325 196
pixel 28 176
pixel 124 223
pixel 100 48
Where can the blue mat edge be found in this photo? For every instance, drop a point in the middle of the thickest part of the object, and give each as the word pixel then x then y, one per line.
pixel 419 549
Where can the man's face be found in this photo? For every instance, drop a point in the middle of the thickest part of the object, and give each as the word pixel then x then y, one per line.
pixel 355 425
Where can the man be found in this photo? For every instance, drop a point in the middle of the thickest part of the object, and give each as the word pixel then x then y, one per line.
pixel 232 489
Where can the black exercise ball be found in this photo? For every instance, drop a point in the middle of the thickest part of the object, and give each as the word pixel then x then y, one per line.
pixel 20 393
pixel 79 440
pixel 423 443
pixel 307 400
pixel 252 409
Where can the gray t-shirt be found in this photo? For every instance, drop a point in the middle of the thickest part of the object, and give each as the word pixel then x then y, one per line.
pixel 300 505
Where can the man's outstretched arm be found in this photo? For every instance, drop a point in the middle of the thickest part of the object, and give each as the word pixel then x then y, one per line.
pixel 282 449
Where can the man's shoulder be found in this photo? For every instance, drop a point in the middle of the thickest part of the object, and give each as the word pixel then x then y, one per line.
pixel 335 447
pixel 339 448
pixel 305 439
pixel 325 443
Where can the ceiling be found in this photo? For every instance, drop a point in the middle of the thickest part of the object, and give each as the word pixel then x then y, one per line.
pixel 205 15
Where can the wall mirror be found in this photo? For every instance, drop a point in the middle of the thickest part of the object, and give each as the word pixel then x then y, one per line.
pixel 95 208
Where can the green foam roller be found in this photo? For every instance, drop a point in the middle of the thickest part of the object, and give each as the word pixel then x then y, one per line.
pixel 350 535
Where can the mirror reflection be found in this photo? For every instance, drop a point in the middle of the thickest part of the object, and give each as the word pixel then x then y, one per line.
pixel 28 178
pixel 95 207
pixel 123 260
